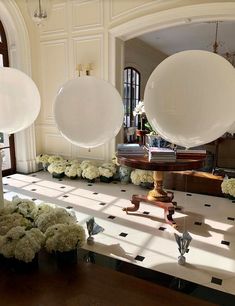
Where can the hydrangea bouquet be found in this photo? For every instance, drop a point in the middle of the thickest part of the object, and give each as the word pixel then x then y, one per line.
pixel 228 187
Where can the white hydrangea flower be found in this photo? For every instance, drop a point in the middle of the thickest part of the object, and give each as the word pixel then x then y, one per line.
pixel 7 222
pixel 55 158
pixel 90 172
pixel 42 158
pixel 228 186
pixel 71 171
pixel 105 172
pixel 25 207
pixel 139 109
pixel 56 216
pixel 79 172
pixel 141 176
pixel 110 166
pixel 64 237
pixel 57 167
pixel 86 163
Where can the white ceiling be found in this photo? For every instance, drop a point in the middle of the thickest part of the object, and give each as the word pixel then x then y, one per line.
pixel 197 36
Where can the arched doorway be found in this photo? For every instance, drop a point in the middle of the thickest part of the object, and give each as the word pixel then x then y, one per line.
pixel 19 58
pixel 156 21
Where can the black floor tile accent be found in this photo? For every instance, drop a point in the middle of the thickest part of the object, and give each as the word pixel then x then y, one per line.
pixel 139 258
pixel 69 207
pixel 5 184
pixel 161 228
pixel 60 180
pixel 65 196
pixel 33 189
pixel 89 184
pixel 231 218
pixel 146 212
pixel 8 177
pixel 34 199
pixel 217 281
pixel 123 234
pixel 207 205
pixel 34 182
pixel 115 182
pixel 95 192
pixel 225 242
pixel 198 223
pixel 62 187
pixel 188 194
pixel 123 190
pixel 111 217
pixel 33 175
pixel 5 192
pixel 102 203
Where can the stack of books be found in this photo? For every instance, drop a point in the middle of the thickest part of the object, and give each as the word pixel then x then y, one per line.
pixel 130 149
pixel 161 154
pixel 190 154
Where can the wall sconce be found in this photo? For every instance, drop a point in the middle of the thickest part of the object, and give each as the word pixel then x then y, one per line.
pixel 86 68
pixel 39 10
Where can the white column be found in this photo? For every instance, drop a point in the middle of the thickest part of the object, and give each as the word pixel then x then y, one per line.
pixel 25 148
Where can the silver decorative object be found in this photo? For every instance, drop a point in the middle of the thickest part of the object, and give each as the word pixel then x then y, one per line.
pixel 93 229
pixel 183 243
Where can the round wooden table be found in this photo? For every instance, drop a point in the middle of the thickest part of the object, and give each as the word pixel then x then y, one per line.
pixel 158 196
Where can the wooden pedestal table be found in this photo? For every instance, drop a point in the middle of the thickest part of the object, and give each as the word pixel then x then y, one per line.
pixel 158 196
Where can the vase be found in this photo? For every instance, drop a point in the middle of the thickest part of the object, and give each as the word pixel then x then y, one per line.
pixel 20 266
pixel 57 175
pixel 229 196
pixel 105 179
pixel 124 174
pixel 66 258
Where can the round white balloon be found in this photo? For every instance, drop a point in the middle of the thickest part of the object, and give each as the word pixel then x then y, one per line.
pixel 189 98
pixel 88 111
pixel 231 130
pixel 19 100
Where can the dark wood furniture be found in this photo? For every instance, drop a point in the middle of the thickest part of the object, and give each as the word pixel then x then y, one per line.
pixel 84 284
pixel 158 196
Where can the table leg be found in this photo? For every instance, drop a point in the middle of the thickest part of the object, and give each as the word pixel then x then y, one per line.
pixel 158 193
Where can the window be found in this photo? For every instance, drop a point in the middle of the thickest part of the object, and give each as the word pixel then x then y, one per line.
pixel 7 148
pixel 131 96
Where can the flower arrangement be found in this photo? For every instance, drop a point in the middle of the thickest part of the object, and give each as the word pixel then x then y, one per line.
pixel 139 109
pixel 57 169
pixel 21 244
pixel 91 172
pixel 85 164
pixel 55 158
pixel 56 216
pixel 71 171
pixel 9 221
pixel 25 207
pixel 105 172
pixel 141 176
pixel 64 237
pixel 42 158
pixel 228 187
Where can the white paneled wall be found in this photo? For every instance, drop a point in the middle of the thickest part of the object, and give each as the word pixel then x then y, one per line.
pixel 83 32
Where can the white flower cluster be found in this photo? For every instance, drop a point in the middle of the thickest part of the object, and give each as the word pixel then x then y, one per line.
pixel 141 176
pixel 71 170
pixel 139 109
pixel 55 216
pixel 23 224
pixel 91 172
pixel 107 170
pixel 21 244
pixel 64 237
pixel 85 164
pixel 55 158
pixel 57 167
pixel 228 186
pixel 42 158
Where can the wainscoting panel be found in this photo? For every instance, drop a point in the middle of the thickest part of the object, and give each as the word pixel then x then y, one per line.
pixel 87 15
pixel 54 73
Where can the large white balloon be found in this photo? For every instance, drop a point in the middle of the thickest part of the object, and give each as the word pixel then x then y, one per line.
pixel 88 111
pixel 19 100
pixel 190 97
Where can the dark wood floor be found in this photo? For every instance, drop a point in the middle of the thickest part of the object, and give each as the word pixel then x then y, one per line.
pixel 84 284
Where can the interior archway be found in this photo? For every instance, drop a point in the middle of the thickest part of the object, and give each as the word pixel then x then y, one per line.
pixel 19 57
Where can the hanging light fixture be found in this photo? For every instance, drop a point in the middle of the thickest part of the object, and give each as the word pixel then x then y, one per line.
pixel 39 10
pixel 228 55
